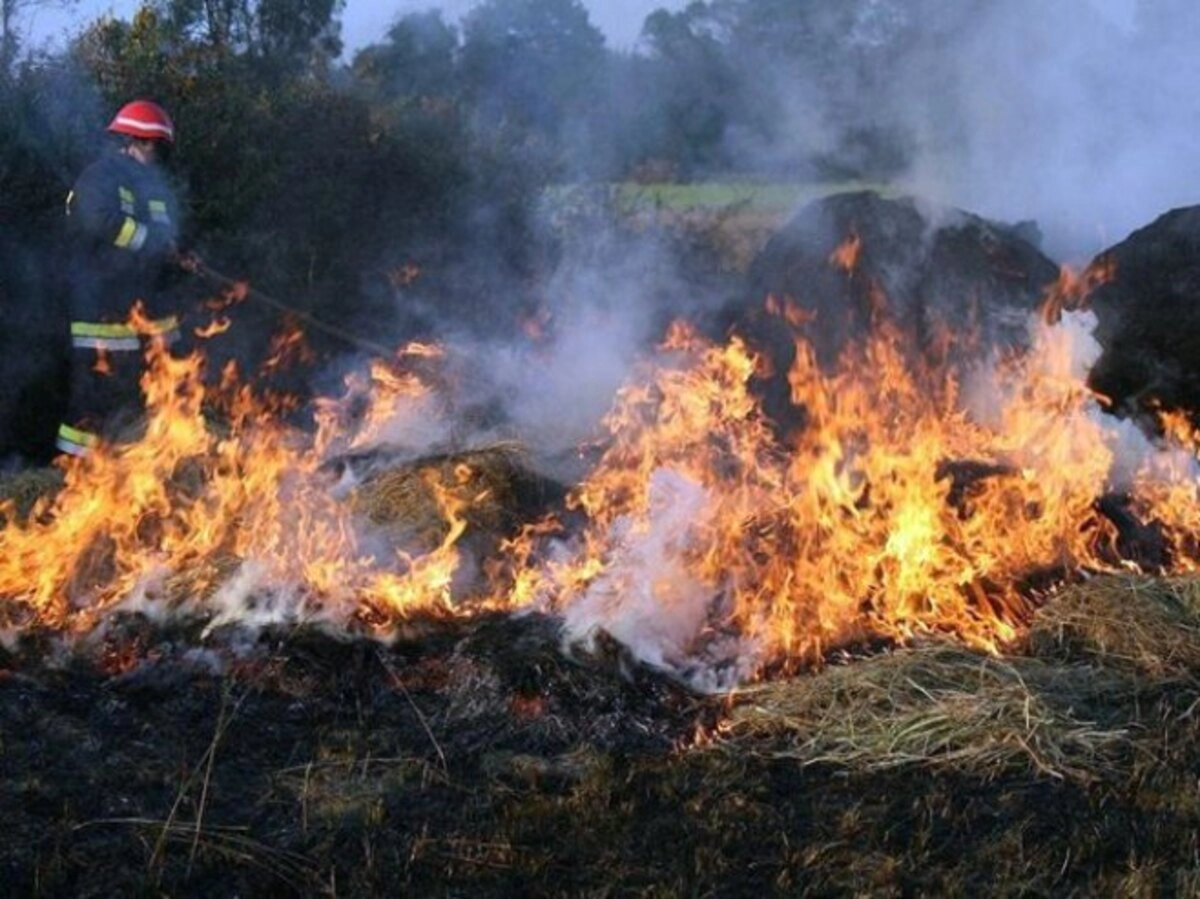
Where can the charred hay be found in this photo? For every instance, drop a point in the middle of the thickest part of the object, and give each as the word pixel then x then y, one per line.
pixel 949 285
pixel 476 757
pixel 1145 300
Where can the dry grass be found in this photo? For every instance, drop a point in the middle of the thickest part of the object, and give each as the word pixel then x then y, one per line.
pixel 412 499
pixel 476 759
pixel 1151 625
pixel 940 707
pixel 482 761
pixel 1075 701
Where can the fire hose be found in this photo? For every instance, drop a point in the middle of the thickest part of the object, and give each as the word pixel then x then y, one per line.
pixel 225 282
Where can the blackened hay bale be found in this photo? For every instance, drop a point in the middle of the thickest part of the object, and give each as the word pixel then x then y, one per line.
pixel 951 286
pixel 1149 317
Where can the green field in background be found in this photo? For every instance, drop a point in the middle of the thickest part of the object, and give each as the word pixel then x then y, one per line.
pixel 760 197
pixel 765 198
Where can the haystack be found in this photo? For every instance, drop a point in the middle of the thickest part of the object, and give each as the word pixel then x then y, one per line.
pixel 491 489
pixel 951 286
pixel 940 707
pixel 1147 626
pixel 1149 317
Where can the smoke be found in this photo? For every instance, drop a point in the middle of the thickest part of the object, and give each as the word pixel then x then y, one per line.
pixel 1078 117
pixel 647 600
pixel 1082 117
pixel 604 311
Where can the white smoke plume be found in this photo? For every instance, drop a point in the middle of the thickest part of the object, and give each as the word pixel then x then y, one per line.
pixel 1082 117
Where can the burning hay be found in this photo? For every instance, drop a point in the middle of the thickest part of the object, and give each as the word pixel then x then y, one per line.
pixel 782 645
pixel 491 487
pixel 949 494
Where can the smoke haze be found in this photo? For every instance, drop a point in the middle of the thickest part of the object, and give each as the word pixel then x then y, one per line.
pixel 1079 121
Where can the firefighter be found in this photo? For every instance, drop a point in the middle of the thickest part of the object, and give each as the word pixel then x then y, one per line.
pixel 123 230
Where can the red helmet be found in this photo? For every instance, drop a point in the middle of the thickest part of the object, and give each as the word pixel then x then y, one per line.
pixel 144 120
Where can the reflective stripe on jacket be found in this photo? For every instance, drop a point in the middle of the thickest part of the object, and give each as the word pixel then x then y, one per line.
pixel 75 441
pixel 122 337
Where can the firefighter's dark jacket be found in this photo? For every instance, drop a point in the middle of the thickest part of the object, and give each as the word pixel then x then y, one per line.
pixel 122 222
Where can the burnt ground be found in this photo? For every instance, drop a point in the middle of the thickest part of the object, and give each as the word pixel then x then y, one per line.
pixel 476 758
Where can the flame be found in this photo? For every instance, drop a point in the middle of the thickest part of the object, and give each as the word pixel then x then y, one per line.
pixel 847 254
pixel 896 513
pixel 1070 291
pixel 913 502
pixel 288 348
pixel 232 293
pixel 215 327
pixel 790 311
pixel 240 525
pixel 396 400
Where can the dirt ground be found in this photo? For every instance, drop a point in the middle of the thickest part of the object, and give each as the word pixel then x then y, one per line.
pixel 478 758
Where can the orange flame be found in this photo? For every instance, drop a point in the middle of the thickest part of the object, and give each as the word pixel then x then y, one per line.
pixel 896 514
pixel 288 348
pixel 239 525
pixel 393 401
pixel 846 255
pixel 212 329
pixel 911 502
pixel 1072 289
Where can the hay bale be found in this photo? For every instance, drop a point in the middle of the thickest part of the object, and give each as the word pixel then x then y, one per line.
pixel 1150 625
pixel 491 488
pixel 941 707
pixel 950 285
pixel 1149 318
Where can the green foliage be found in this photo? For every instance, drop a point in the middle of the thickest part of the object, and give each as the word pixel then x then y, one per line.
pixel 430 145
pixel 530 64
pixel 417 61
pixel 285 35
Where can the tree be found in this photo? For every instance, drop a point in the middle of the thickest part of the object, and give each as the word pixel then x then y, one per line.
pixel 530 65
pixel 418 59
pixel 698 91
pixel 282 36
